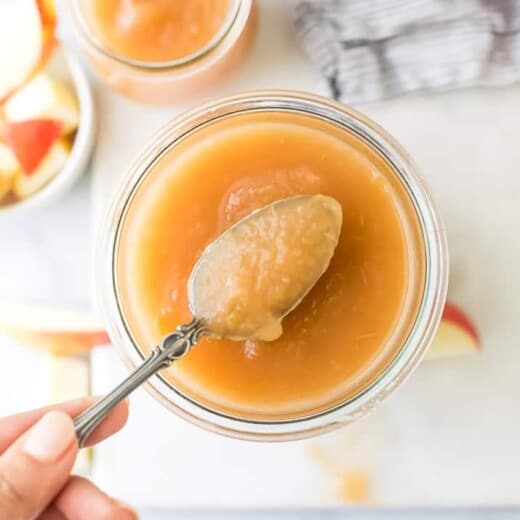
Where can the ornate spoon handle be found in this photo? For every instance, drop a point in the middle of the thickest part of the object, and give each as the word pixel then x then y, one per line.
pixel 172 347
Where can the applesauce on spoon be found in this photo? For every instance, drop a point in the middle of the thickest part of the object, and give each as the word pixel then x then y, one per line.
pixel 258 270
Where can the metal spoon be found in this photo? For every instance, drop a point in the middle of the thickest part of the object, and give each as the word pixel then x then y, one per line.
pixel 225 291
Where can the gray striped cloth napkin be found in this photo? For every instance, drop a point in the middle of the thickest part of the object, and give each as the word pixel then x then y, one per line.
pixel 367 50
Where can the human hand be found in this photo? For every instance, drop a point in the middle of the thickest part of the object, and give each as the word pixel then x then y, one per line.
pixel 37 452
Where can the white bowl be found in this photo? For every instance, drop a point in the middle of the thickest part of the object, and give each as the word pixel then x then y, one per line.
pixel 68 68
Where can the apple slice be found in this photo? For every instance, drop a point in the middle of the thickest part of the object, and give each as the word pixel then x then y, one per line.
pixel 47 11
pixel 456 335
pixel 31 141
pixel 26 40
pixel 44 98
pixel 9 167
pixel 5 186
pixel 59 332
pixel 26 185
pixel 8 163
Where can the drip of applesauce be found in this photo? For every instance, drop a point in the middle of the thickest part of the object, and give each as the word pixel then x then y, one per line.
pixel 258 270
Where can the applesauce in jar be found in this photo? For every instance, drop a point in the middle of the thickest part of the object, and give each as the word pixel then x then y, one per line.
pixel 158 30
pixel 343 334
pixel 165 51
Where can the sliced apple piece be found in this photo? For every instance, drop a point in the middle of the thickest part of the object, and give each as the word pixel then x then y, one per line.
pixel 59 332
pixel 5 186
pixel 31 141
pixel 26 185
pixel 47 11
pixel 44 98
pixel 456 335
pixel 26 40
pixel 9 167
pixel 8 163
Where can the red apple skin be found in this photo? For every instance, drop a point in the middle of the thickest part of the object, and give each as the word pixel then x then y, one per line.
pixel 456 335
pixel 453 314
pixel 31 140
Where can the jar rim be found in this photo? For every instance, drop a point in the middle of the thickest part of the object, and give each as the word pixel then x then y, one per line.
pixel 87 33
pixel 435 281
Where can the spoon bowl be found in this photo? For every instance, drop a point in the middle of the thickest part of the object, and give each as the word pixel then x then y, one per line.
pixel 255 273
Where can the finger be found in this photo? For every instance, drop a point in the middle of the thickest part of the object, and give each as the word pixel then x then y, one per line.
pixel 36 466
pixel 110 425
pixel 14 426
pixel 82 500
pixel 51 513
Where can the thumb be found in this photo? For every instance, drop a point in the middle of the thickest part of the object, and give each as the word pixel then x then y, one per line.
pixel 36 467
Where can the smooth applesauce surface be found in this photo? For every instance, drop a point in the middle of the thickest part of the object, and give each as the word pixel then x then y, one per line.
pixel 157 30
pixel 351 324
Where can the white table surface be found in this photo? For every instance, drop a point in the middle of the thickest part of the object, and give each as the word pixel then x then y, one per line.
pixel 453 430
pixel 46 258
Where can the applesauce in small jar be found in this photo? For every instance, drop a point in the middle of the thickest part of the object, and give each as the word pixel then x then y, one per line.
pixel 163 51
pixel 353 338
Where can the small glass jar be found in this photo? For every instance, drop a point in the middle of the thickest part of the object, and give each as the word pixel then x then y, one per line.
pixel 422 312
pixel 177 80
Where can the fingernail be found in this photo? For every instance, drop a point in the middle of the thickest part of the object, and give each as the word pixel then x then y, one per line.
pixel 50 437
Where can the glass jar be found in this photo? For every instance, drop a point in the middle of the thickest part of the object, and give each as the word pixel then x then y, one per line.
pixel 422 311
pixel 177 80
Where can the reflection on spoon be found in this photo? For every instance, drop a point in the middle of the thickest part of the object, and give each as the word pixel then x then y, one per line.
pixel 243 285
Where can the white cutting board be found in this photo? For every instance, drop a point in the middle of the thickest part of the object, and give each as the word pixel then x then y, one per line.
pixel 450 435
